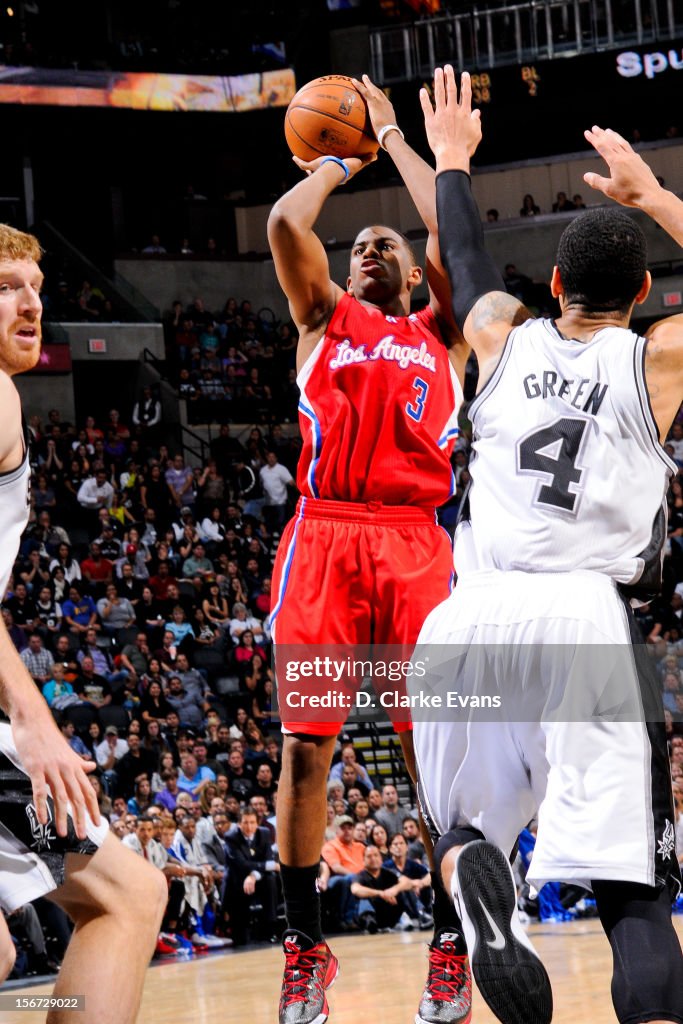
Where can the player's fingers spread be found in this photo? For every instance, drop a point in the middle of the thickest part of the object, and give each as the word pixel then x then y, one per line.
pixel 439 89
pixel 451 85
pixel 596 181
pixel 59 798
pixel 426 104
pixel 466 91
pixel 40 798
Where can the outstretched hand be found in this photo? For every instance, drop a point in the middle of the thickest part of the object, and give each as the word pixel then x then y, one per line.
pixel 354 164
pixel 631 181
pixel 453 128
pixel 380 108
pixel 50 763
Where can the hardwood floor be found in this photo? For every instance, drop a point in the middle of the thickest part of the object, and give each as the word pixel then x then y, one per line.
pixel 381 981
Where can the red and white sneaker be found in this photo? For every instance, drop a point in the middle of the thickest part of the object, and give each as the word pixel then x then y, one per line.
pixel 310 968
pixel 447 998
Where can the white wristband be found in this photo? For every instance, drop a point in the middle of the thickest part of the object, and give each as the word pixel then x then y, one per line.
pixel 383 132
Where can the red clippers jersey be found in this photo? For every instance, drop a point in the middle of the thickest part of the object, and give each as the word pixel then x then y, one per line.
pixel 378 410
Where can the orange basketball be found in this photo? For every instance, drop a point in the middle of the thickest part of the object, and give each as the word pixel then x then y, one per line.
pixel 328 117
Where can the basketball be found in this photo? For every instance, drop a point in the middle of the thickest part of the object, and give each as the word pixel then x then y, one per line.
pixel 329 117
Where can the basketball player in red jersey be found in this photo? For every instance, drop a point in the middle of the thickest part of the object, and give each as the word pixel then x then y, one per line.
pixel 363 561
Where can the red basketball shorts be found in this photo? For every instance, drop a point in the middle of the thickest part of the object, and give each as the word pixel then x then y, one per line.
pixel 351 576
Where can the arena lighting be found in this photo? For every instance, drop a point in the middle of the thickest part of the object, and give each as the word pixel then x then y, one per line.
pixel 10 12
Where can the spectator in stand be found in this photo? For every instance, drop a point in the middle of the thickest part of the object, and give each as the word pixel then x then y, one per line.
pixel 57 692
pixel 75 742
pixel 116 612
pixel 390 814
pixel 492 215
pixel 411 834
pixel 381 896
pixel 242 622
pixel 420 898
pixel 180 481
pixel 107 754
pixel 348 757
pixel 135 657
pixel 49 613
pixel 246 649
pixel 137 761
pixel 198 564
pixel 92 688
pixel 264 784
pixel 529 207
pixel 578 202
pixel 344 858
pixel 181 629
pixel 275 479
pixel 240 775
pixel 153 705
pixel 38 661
pixel 562 204
pixel 168 796
pixel 154 247
pixel 252 870
pixel 65 560
pixel 80 613
pixel 189 707
pixel 22 608
pixel 96 492
pixel 379 838
pixel 147 410
pixel 141 800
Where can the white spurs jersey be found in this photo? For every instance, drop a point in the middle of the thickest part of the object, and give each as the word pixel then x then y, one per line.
pixel 15 499
pixel 567 471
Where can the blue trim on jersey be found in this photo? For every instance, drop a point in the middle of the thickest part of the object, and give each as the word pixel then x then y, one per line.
pixel 288 565
pixel 317 447
pixel 454 485
pixel 443 441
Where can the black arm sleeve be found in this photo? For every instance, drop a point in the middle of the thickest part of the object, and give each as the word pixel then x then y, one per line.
pixel 471 271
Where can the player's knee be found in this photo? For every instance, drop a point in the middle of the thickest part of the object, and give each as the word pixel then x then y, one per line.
pixel 452 839
pixel 307 759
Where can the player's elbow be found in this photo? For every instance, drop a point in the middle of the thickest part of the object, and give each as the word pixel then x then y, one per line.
pixel 282 224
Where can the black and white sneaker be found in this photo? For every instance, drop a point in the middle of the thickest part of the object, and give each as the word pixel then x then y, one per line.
pixel 505 966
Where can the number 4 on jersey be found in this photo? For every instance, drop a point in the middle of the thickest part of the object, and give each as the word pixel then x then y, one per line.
pixel 416 408
pixel 553 452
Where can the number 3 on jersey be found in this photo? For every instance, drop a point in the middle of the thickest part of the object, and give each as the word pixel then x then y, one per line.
pixel 416 408
pixel 553 451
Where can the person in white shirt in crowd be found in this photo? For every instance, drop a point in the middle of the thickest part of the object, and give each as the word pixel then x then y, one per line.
pixel 275 479
pixel 242 621
pixel 96 492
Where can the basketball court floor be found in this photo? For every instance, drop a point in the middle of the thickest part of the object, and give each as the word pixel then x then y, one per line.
pixel 381 979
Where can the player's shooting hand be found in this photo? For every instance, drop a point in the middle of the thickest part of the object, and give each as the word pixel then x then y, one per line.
pixel 354 164
pixel 50 763
pixel 379 106
pixel 631 181
pixel 453 128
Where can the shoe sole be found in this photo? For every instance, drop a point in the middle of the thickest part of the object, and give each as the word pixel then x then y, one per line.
pixel 505 966
pixel 456 1020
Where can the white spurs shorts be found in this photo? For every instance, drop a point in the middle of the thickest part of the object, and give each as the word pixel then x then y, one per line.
pixel 575 741
pixel 31 855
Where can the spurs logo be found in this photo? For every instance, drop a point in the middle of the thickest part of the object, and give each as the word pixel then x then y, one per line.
pixel 43 835
pixel 667 843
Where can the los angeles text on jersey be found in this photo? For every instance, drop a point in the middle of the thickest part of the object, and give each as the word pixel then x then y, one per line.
pixel 584 394
pixel 405 355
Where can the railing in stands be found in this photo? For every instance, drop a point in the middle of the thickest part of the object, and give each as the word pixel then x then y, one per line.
pixel 492 36
pixel 187 439
pixel 129 304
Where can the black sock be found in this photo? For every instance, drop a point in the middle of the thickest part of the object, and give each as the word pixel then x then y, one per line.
pixel 302 899
pixel 445 914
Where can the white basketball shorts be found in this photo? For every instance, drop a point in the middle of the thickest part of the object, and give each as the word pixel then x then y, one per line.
pixel 31 855
pixel 576 739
